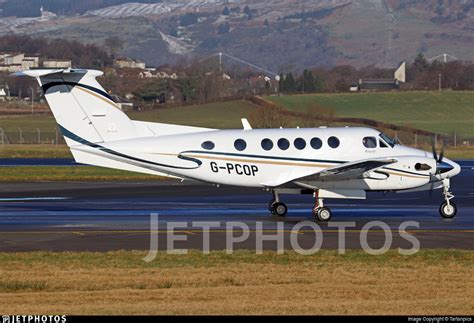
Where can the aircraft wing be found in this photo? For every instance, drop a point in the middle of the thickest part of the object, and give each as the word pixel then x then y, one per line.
pixel 346 171
pixel 352 170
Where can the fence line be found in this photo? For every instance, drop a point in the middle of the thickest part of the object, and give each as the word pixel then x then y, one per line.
pixel 53 137
pixel 19 136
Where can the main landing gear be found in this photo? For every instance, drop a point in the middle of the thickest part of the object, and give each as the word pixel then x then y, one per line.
pixel 320 212
pixel 447 209
pixel 276 207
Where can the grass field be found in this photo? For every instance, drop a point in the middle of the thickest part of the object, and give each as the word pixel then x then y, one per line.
pixel 442 112
pixel 35 151
pixel 68 173
pixel 214 115
pixel 430 283
pixel 222 115
pixel 445 112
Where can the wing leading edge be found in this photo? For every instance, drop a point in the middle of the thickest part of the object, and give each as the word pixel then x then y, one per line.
pixel 351 170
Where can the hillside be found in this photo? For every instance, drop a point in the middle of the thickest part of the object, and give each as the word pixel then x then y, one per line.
pixel 275 34
pixel 442 112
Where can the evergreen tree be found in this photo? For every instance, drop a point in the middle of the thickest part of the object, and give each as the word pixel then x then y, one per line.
pixel 421 63
pixel 247 11
pixel 223 28
pixel 290 83
pixel 226 12
pixel 281 83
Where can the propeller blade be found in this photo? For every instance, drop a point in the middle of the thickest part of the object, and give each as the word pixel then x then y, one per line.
pixel 441 155
pixel 433 149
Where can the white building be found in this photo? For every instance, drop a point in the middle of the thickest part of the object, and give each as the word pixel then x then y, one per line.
pixel 125 62
pixel 12 58
pixel 46 15
pixel 34 58
pixel 57 63
pixel 3 95
pixel 14 62
pixel 13 68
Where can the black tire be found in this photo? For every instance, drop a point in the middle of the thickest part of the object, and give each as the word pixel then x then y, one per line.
pixel 448 212
pixel 324 214
pixel 270 205
pixel 279 209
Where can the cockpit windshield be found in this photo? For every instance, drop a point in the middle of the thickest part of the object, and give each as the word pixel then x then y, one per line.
pixel 387 139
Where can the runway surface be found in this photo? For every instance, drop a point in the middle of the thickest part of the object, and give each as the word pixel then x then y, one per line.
pixel 111 216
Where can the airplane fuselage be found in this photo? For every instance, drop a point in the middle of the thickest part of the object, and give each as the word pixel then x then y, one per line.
pixel 266 157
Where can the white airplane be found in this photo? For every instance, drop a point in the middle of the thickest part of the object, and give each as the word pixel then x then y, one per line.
pixel 342 162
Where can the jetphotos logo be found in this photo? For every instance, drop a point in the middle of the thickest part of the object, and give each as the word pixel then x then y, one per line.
pixel 33 319
pixel 306 237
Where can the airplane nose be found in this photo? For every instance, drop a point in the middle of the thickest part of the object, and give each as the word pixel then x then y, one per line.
pixel 443 167
pixel 448 168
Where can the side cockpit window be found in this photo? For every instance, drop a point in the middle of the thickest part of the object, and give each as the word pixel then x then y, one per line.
pixel 382 144
pixel 369 142
pixel 388 141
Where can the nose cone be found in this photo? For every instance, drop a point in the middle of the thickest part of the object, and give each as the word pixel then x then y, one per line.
pixel 447 168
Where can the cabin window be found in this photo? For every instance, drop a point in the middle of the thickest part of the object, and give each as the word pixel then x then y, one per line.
pixel 299 143
pixel 316 143
pixel 208 145
pixel 240 144
pixel 267 144
pixel 382 144
pixel 369 142
pixel 283 143
pixel 333 142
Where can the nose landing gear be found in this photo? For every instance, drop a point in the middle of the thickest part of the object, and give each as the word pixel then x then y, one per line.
pixel 447 209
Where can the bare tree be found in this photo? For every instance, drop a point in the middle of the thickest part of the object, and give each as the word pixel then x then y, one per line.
pixel 114 45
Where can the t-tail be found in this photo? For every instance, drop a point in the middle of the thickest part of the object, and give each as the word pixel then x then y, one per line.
pixel 83 110
pixel 91 122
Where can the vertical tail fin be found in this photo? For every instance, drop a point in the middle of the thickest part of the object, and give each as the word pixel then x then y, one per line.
pixel 81 107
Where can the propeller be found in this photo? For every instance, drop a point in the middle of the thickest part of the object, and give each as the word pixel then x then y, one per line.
pixel 438 158
pixel 441 166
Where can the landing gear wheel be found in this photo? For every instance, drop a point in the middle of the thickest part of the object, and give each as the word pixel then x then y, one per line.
pixel 279 209
pixel 270 205
pixel 448 211
pixel 323 214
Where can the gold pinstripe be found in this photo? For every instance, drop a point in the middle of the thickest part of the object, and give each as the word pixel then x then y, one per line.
pixel 265 162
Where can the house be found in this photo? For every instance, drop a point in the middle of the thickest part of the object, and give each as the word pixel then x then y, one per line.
pixel 123 103
pixel 13 58
pixel 34 58
pixel 378 84
pixel 27 64
pixel 125 62
pixel 14 62
pixel 384 84
pixel 11 68
pixel 57 63
pixel 148 73
pixel 46 15
pixel 3 95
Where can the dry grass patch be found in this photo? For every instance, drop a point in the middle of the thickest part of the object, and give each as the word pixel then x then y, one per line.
pixel 431 282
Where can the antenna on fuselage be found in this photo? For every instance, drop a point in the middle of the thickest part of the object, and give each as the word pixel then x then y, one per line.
pixel 246 124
